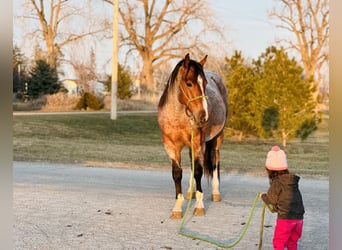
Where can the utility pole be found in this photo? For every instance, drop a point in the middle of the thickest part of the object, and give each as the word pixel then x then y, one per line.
pixel 113 113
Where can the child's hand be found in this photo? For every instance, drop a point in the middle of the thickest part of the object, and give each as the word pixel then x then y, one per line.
pixel 261 194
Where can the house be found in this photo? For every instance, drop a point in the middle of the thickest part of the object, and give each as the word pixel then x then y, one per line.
pixel 96 87
pixel 71 86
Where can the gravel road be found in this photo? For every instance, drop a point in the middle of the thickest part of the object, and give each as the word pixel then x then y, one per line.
pixel 59 206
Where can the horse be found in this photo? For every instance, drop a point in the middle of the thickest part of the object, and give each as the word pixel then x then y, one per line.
pixel 193 106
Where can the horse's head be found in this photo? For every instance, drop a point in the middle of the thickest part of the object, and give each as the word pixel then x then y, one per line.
pixel 192 89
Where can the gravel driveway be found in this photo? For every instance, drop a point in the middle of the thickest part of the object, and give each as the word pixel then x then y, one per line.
pixel 58 206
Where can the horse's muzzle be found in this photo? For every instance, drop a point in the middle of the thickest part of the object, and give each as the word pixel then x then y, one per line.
pixel 201 119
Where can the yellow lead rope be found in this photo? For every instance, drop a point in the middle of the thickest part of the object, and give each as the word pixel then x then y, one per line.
pixel 192 99
pixel 184 232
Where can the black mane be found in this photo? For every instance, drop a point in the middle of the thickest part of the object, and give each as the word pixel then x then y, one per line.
pixel 172 78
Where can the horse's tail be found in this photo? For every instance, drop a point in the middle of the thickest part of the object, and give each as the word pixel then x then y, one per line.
pixel 208 165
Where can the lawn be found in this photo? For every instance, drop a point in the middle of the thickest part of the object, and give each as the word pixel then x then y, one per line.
pixel 135 141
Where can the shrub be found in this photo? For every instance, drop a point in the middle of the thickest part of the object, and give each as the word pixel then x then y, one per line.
pixel 61 102
pixel 89 101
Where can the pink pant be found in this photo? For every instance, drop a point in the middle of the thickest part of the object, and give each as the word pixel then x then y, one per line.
pixel 287 233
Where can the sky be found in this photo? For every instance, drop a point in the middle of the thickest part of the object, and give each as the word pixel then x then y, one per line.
pixel 249 28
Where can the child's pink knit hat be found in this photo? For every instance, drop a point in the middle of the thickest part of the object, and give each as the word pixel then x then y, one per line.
pixel 276 159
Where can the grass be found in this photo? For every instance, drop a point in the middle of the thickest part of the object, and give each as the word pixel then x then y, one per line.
pixel 64 102
pixel 135 140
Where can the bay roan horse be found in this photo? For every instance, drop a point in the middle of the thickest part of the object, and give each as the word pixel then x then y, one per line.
pixel 193 99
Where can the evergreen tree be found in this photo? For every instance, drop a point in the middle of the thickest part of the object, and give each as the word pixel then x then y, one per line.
pixel 283 98
pixel 239 78
pixel 42 80
pixel 124 82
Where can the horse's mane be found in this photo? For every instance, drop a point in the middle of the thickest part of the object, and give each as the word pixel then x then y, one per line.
pixel 171 82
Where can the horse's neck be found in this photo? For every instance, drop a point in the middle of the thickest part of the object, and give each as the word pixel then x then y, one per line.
pixel 174 103
pixel 173 107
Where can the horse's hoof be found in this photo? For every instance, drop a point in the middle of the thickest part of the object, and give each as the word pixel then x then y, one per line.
pixel 199 211
pixel 176 215
pixel 216 197
pixel 188 195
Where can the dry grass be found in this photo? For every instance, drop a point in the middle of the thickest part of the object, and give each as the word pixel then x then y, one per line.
pixel 30 105
pixel 60 102
pixel 135 140
pixel 130 104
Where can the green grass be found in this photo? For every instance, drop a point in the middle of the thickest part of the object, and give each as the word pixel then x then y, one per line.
pixel 135 140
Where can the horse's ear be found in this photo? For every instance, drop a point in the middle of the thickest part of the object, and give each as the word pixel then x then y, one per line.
pixel 203 61
pixel 186 60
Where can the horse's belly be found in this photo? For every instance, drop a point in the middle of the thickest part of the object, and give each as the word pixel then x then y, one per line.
pixel 214 131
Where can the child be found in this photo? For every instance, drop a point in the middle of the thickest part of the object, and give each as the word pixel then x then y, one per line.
pixel 286 199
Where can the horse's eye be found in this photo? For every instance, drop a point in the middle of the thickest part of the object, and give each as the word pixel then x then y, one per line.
pixel 189 84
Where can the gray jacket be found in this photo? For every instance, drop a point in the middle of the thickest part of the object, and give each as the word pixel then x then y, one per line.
pixel 285 197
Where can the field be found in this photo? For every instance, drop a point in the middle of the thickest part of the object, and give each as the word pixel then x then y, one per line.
pixel 135 141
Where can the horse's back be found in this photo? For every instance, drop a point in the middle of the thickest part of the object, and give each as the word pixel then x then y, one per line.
pixel 217 104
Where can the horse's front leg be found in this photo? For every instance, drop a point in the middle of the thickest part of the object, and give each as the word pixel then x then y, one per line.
pixel 199 206
pixel 198 173
pixel 216 196
pixel 191 188
pixel 177 178
pixel 191 181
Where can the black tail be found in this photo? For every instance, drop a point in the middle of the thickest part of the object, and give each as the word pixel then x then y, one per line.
pixel 211 159
pixel 208 161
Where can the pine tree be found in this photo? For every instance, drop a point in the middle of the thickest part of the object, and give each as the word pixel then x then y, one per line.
pixel 124 82
pixel 42 80
pixel 239 80
pixel 283 98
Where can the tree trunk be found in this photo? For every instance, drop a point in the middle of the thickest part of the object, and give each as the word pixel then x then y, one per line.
pixel 148 78
pixel 51 54
pixel 283 138
pixel 240 136
pixel 310 73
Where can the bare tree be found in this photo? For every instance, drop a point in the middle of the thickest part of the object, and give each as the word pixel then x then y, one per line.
pixel 162 30
pixel 84 68
pixel 55 25
pixel 308 20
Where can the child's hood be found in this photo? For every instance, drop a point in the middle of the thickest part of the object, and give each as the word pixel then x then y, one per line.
pixel 289 179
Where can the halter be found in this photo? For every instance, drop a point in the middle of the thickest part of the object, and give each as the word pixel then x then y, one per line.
pixel 192 99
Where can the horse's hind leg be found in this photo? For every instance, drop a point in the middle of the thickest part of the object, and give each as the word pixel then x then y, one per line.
pixel 216 171
pixel 216 196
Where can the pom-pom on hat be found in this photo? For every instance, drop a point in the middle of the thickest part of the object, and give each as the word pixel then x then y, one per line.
pixel 276 159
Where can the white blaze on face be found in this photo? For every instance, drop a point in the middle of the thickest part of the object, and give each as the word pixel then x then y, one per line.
pixel 204 100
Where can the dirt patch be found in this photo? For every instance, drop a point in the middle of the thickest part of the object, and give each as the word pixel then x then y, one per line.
pixel 123 165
